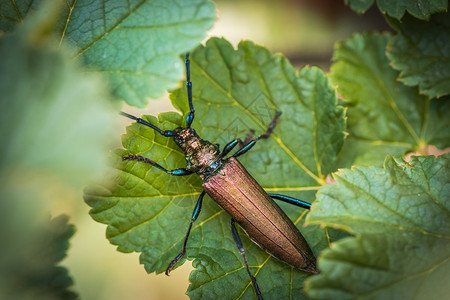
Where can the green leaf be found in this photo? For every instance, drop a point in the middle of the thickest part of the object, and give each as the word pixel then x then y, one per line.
pixel 421 9
pixel 133 44
pixel 384 116
pixel 53 117
pixel 35 246
pixel 400 215
pixel 421 52
pixel 233 91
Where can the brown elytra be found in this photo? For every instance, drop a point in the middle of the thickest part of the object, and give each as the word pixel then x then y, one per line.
pixel 235 190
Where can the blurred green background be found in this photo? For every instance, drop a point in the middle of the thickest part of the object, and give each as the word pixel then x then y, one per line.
pixel 303 31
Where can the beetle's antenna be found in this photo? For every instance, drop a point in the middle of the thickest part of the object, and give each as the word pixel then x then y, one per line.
pixel 143 122
pixel 190 116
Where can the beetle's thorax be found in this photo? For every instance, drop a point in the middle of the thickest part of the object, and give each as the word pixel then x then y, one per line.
pixel 202 157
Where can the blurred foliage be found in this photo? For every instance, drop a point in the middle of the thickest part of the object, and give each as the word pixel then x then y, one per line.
pixel 48 107
pixel 33 246
pixel 134 44
pixel 49 126
pixel 303 31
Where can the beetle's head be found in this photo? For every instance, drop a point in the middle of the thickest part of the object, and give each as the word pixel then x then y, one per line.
pixel 185 137
pixel 200 154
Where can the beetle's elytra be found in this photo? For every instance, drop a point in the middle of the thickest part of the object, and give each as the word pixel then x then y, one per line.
pixel 238 193
pixel 228 183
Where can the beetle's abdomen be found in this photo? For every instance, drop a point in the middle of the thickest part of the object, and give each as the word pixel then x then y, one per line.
pixel 235 190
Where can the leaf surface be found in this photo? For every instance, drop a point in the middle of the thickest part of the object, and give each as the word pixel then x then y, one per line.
pixel 421 9
pixel 133 44
pixel 400 215
pixel 233 91
pixel 384 116
pixel 421 52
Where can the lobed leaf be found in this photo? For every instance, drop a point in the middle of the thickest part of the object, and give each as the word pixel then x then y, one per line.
pixel 133 44
pixel 421 52
pixel 421 9
pixel 384 116
pixel 400 215
pixel 36 244
pixel 233 91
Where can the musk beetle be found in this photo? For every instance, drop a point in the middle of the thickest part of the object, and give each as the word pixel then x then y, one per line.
pixel 228 183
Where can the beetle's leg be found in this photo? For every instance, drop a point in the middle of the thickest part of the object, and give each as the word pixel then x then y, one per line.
pixel 228 147
pixel 265 135
pixel 238 242
pixel 175 172
pixel 244 149
pixel 167 133
pixel 271 127
pixel 194 217
pixel 291 200
pixel 190 116
pixel 247 139
pixel 249 142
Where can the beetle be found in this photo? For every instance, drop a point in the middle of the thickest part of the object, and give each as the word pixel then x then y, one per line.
pixel 228 183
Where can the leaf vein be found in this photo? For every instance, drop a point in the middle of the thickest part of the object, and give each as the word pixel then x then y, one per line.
pixel 379 203
pixel 113 27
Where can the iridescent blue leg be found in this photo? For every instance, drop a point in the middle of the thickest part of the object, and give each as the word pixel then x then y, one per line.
pixel 175 172
pixel 228 147
pixel 190 116
pixel 290 200
pixel 248 145
pixel 238 242
pixel 194 217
